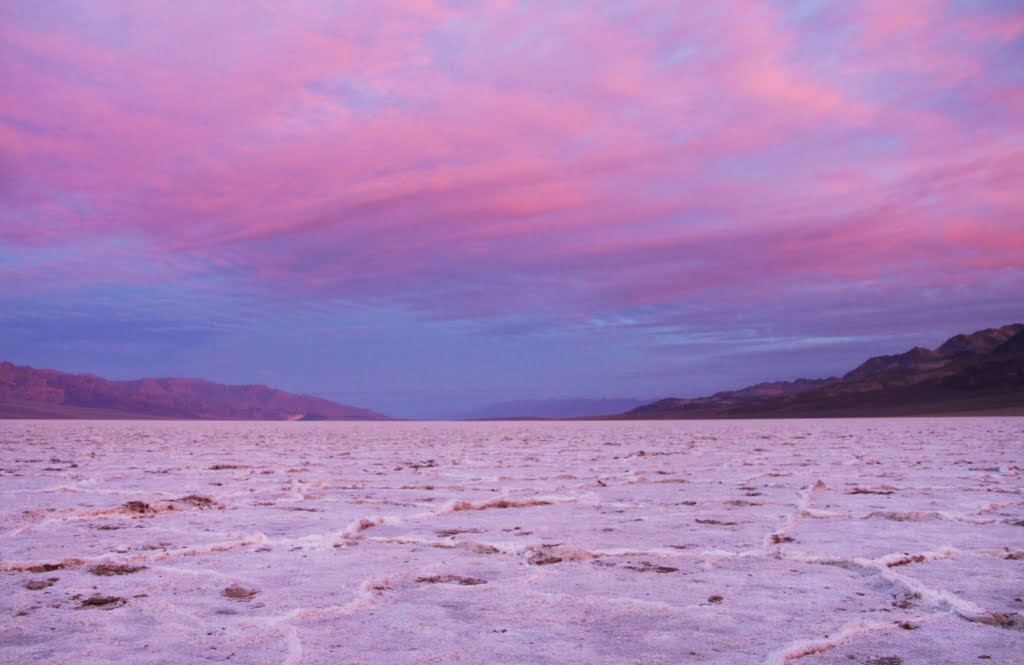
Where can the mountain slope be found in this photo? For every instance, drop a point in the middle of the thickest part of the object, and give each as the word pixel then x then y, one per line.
pixel 26 392
pixel 978 373
pixel 729 400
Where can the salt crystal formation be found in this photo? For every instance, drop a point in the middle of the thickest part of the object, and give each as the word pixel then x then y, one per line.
pixel 876 542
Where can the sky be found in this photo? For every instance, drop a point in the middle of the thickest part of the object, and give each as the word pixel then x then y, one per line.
pixel 424 206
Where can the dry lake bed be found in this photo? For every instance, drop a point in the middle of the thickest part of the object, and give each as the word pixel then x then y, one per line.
pixel 871 542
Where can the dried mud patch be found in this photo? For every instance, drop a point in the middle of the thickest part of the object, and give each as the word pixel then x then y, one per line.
pixel 907 560
pixel 648 567
pixel 460 506
pixel 451 533
pixel 38 585
pixel 102 602
pixel 199 501
pixel 1006 620
pixel 239 592
pixel 137 508
pixel 451 579
pixel 111 569
pixel 45 568
pixel 552 553
pixel 904 516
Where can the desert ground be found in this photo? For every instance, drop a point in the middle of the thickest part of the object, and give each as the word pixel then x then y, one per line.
pixel 872 542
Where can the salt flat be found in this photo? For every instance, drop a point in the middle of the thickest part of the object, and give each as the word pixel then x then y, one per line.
pixel 839 541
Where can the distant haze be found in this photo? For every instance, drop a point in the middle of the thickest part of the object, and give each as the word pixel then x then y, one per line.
pixel 555 408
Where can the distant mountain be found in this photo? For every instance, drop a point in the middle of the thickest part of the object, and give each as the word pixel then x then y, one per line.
pixel 552 408
pixel 26 392
pixel 982 372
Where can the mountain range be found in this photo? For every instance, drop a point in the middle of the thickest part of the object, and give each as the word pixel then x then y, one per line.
pixel 979 373
pixel 26 392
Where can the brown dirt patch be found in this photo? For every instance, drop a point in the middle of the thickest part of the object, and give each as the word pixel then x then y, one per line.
pixel 45 568
pixel 451 579
pixel 239 592
pixel 37 585
pixel 110 569
pixel 102 602
pixel 648 567
pixel 449 533
pixel 1004 620
pixel 137 508
pixel 907 560
pixel 198 501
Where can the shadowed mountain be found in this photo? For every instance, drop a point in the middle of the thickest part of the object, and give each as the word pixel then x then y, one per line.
pixel 978 373
pixel 26 392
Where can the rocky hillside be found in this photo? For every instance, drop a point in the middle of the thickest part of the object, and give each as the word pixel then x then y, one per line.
pixel 982 372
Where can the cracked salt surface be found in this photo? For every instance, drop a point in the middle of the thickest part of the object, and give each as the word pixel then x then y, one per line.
pixel 839 541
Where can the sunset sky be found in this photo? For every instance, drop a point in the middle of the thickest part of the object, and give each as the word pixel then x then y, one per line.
pixel 424 206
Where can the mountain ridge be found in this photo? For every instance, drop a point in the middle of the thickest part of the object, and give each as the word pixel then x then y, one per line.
pixel 980 372
pixel 27 392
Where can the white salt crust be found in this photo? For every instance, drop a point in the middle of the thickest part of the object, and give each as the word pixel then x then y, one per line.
pixel 830 541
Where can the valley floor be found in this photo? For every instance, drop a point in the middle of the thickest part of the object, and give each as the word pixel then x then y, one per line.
pixel 875 542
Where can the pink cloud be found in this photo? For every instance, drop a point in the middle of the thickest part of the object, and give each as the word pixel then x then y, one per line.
pixel 427 153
